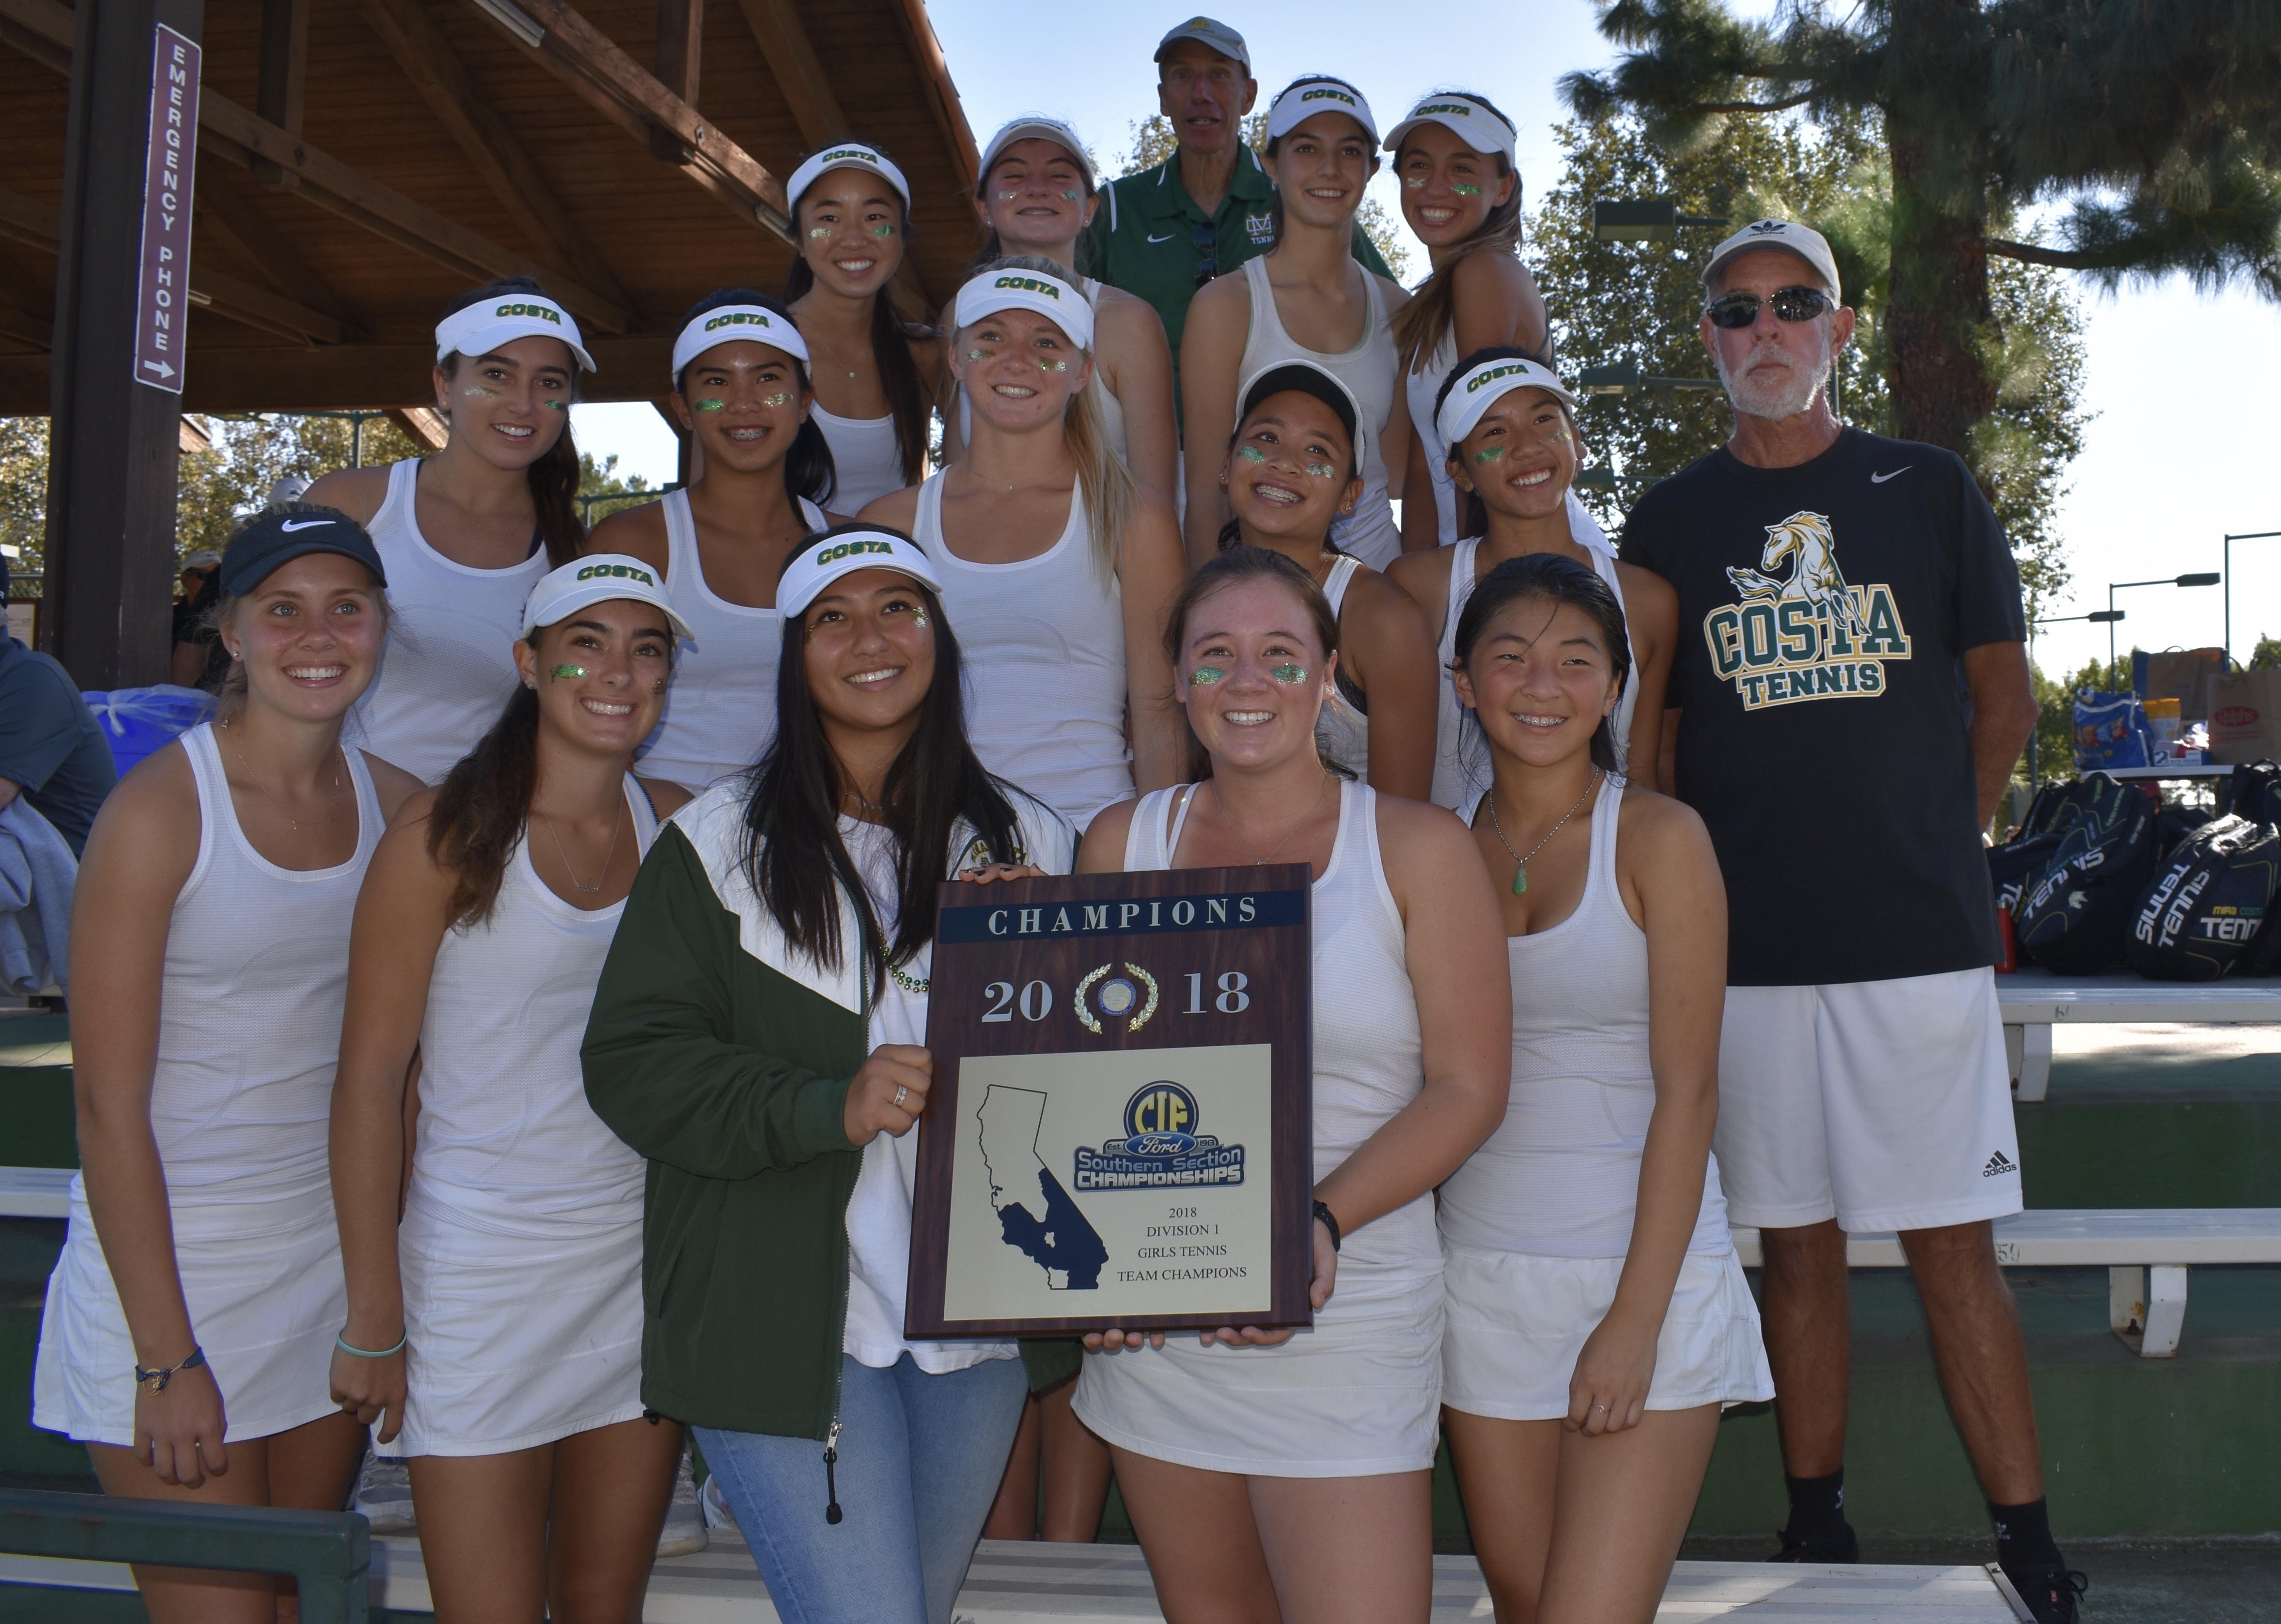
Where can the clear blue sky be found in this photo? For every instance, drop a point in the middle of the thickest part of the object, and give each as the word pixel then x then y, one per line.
pixel 2176 456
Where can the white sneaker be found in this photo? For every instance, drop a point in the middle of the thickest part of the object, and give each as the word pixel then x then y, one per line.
pixel 716 1506
pixel 686 1522
pixel 383 1495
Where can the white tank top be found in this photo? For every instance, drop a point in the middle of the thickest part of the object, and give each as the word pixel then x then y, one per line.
pixel 506 1143
pixel 1560 1176
pixel 1043 641
pixel 1111 409
pixel 257 970
pixel 1342 732
pixel 1421 388
pixel 1369 1055
pixel 449 666
pixel 720 706
pixel 866 462
pixel 1461 764
pixel 1368 369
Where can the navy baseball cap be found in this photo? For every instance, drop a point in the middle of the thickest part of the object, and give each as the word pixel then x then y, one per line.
pixel 282 534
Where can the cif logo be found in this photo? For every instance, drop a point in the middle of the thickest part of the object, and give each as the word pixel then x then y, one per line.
pixel 1161 1120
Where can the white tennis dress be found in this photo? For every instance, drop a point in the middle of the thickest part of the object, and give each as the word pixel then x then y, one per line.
pixel 867 462
pixel 721 706
pixel 1536 1224
pixel 241 1105
pixel 1367 370
pixel 1343 731
pixel 521 1247
pixel 1461 765
pixel 448 669
pixel 1043 641
pixel 1357 1394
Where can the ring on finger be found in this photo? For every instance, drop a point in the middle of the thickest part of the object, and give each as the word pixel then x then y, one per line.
pixel 902 1093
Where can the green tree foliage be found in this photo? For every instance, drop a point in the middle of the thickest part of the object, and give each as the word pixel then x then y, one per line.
pixel 2267 655
pixel 2156 128
pixel 224 485
pixel 1637 303
pixel 24 491
pixel 1153 143
pixel 2054 745
pixel 600 481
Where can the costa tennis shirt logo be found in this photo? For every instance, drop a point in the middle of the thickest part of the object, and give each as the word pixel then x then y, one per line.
pixel 1808 635
pixel 1329 93
pixel 738 318
pixel 1029 283
pixel 849 549
pixel 545 313
pixel 623 571
pixel 1161 1148
pixel 1484 380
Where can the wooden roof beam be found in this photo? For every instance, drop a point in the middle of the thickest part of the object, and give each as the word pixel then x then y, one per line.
pixel 799 73
pixel 423 426
pixel 680 55
pixel 590 63
pixel 466 113
pixel 942 97
pixel 281 89
pixel 231 219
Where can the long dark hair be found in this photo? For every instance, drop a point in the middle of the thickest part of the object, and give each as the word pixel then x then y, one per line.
pixel 1275 207
pixel 553 478
pixel 794 855
pixel 1472 513
pixel 891 337
pixel 807 469
pixel 1549 577
pixel 1432 313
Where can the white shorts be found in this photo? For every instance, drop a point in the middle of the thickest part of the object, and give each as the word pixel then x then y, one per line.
pixel 1884 1104
pixel 1517 1320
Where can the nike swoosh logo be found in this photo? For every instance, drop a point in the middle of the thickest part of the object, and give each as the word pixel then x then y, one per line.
pixel 1879 479
pixel 291 525
pixel 1165 238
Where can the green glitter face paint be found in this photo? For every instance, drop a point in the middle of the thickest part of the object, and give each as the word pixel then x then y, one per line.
pixel 918 617
pixel 1205 675
pixel 1007 197
pixel 882 231
pixel 776 400
pixel 556 406
pixel 709 405
pixel 815 232
pixel 1322 470
pixel 978 355
pixel 476 392
pixel 1490 453
pixel 1252 453
pixel 1288 673
pixel 1465 188
pixel 1053 365
pixel 1071 197
pixel 566 673
pixel 1414 182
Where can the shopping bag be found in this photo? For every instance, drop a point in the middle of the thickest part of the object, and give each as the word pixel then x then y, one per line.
pixel 2244 715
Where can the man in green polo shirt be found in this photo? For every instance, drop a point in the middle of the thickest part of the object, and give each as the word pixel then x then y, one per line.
pixel 1208 208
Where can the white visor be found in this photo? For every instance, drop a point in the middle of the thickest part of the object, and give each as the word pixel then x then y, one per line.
pixel 847 155
pixel 483 326
pixel 1036 128
pixel 727 324
pixel 596 578
pixel 822 560
pixel 1482 386
pixel 1049 295
pixel 1469 121
pixel 1303 100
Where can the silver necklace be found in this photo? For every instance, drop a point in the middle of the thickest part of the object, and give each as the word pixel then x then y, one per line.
pixel 334 791
pixel 1246 845
pixel 1520 872
pixel 617 828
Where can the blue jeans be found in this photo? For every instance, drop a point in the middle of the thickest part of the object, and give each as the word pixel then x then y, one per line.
pixel 920 1458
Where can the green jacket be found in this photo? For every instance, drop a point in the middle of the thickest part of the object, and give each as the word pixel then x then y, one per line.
pixel 1143 237
pixel 722 1054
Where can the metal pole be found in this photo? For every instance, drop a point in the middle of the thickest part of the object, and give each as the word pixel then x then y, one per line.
pixel 2110 634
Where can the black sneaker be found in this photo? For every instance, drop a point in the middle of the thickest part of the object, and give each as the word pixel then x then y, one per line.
pixel 2049 1588
pixel 1820 1545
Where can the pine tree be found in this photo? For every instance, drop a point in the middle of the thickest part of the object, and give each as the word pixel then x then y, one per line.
pixel 2159 126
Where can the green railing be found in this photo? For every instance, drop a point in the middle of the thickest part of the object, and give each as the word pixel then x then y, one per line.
pixel 329 1554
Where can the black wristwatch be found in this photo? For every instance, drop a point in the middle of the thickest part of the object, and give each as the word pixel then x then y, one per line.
pixel 1330 1221
pixel 156 1380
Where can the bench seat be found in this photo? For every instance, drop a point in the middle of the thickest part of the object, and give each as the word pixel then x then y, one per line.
pixel 2033 1001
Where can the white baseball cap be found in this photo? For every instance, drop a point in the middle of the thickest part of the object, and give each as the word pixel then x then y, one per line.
pixel 1472 396
pixel 1804 241
pixel 596 578
pixel 1304 99
pixel 825 557
pixel 483 326
pixel 1058 301
pixel 1036 127
pixel 1210 33
pixel 1468 118
pixel 727 324
pixel 847 155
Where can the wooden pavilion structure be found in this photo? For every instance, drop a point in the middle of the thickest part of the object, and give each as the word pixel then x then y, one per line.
pixel 357 162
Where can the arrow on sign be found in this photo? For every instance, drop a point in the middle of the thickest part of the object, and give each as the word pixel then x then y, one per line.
pixel 160 367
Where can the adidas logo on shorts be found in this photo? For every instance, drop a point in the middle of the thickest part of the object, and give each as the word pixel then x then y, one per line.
pixel 1998 1165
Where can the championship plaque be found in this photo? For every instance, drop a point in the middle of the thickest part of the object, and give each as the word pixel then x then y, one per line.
pixel 1118 1132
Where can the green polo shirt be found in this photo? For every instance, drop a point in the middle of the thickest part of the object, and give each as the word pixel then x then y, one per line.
pixel 1143 238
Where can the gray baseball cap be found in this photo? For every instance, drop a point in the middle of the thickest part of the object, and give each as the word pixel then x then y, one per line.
pixel 1787 234
pixel 1211 34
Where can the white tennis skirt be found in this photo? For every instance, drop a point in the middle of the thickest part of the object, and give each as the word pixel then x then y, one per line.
pixel 1518 1321
pixel 262 1278
pixel 1356 1394
pixel 515 1341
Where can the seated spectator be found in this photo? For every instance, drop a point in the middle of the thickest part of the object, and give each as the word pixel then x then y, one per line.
pixel 52 750
pixel 199 660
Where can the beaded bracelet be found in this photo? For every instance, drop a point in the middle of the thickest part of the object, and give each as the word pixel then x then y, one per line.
pixel 341 1342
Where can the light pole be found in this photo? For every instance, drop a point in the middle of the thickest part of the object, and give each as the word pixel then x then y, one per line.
pixel 2227 565
pixel 2205 578
pixel 1644 219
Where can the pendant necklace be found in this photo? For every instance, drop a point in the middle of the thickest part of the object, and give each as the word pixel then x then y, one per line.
pixel 1520 872
pixel 1279 845
pixel 247 767
pixel 616 828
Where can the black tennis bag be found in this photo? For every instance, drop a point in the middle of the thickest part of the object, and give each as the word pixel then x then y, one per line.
pixel 2205 914
pixel 2021 861
pixel 2076 917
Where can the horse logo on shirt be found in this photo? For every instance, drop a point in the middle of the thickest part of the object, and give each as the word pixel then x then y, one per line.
pixel 1814 578
pixel 1810 635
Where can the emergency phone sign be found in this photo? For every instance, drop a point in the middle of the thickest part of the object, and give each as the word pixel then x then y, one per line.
pixel 162 312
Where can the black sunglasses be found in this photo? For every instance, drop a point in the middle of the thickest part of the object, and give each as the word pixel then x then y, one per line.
pixel 1791 304
pixel 1207 240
